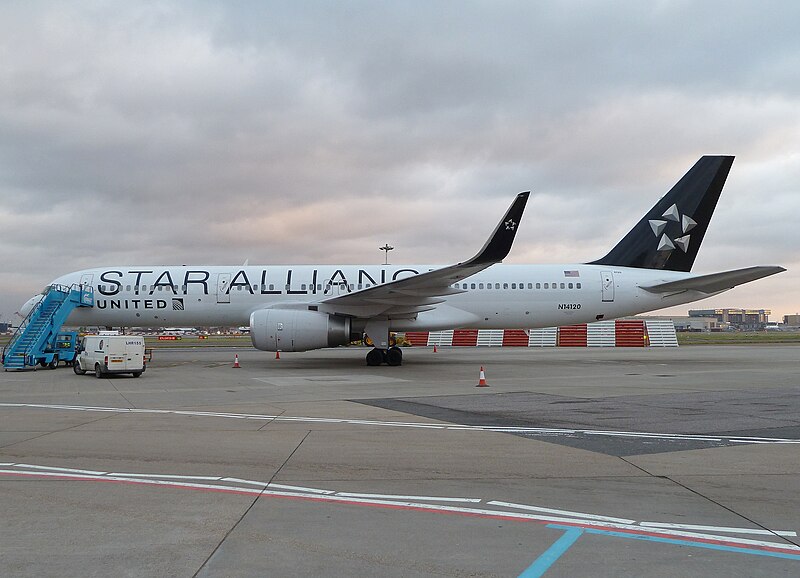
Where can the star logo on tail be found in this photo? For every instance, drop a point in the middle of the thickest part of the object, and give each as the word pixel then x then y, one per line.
pixel 510 225
pixel 666 242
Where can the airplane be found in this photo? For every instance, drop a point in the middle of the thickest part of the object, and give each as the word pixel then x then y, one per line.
pixel 306 307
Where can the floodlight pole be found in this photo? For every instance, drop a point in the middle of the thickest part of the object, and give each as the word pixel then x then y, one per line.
pixel 386 248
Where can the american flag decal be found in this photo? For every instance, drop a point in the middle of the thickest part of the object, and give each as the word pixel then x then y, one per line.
pixel 572 273
pixel 177 304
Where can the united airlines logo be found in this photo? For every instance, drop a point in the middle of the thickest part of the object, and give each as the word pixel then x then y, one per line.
pixel 667 242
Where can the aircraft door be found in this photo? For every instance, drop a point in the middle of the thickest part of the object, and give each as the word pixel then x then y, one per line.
pixel 608 286
pixel 86 279
pixel 223 288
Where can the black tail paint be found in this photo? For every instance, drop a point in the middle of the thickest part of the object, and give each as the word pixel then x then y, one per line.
pixel 670 234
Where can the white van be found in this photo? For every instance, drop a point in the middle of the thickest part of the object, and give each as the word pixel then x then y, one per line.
pixel 108 354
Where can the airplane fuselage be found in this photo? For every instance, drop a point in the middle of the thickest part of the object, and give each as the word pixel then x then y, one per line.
pixel 501 296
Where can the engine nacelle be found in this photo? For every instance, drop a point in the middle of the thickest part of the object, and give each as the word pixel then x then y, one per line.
pixel 297 330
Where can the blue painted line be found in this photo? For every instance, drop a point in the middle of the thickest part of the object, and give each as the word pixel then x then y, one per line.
pixel 679 542
pixel 553 553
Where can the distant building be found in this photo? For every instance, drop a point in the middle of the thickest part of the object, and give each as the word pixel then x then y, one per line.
pixel 5 327
pixel 792 320
pixel 742 319
pixel 684 323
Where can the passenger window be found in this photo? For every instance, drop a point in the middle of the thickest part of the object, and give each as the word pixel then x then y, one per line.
pixel 530 285
pixel 127 287
pixel 563 286
pixel 303 287
pixel 547 286
pixel 505 285
pixel 578 285
pixel 271 287
pixel 569 285
pixel 513 285
pixel 480 285
pixel 472 285
pixel 538 285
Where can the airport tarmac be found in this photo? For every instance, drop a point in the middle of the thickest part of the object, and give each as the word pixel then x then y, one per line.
pixel 573 462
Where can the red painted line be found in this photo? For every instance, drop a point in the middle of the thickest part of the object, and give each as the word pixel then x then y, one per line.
pixel 328 500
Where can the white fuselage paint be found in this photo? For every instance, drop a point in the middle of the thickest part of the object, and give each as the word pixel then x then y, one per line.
pixel 500 297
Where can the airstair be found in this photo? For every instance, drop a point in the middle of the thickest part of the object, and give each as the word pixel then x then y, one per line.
pixel 33 342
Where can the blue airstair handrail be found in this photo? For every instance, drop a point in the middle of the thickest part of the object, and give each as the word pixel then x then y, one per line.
pixel 37 331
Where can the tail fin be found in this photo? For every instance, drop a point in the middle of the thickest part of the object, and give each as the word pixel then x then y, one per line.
pixel 669 235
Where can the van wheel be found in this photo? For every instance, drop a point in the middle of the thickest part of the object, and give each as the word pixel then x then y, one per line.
pixel 54 363
pixel 76 367
pixel 136 373
pixel 98 373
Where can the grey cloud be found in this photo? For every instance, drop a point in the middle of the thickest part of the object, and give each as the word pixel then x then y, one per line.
pixel 205 132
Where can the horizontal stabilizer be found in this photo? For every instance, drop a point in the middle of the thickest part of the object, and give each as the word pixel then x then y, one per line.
pixel 715 282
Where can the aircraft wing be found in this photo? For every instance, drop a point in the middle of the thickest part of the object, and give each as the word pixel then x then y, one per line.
pixel 407 297
pixel 715 282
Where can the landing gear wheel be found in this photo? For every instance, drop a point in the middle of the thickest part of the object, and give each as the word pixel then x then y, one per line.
pixel 394 356
pixel 76 367
pixel 375 357
pixel 98 372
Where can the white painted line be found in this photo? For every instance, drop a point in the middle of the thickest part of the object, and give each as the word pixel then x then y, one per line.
pixel 6 464
pixel 419 506
pixel 580 515
pixel 72 470
pixel 301 489
pixel 167 476
pixel 421 498
pixel 787 533
pixel 420 425
pixel 240 481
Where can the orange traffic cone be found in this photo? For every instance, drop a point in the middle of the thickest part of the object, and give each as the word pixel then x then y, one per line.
pixel 482 379
pixel 236 361
pixel 277 355
pixel 434 349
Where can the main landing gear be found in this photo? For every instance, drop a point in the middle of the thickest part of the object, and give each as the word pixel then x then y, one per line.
pixel 392 356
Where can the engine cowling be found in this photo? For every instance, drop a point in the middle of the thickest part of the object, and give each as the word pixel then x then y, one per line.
pixel 297 330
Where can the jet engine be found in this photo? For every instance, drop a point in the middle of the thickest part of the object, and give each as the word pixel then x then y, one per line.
pixel 297 330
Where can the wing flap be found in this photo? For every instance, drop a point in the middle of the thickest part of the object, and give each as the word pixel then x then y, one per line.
pixel 716 282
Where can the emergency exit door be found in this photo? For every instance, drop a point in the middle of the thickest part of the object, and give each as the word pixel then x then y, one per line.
pixel 223 288
pixel 608 286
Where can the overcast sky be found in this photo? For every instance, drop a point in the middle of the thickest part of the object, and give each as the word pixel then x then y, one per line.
pixel 301 132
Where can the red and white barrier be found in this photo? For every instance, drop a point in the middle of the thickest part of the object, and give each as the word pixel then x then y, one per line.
pixel 615 333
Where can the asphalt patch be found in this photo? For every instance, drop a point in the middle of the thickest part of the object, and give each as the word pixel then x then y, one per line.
pixel 769 413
